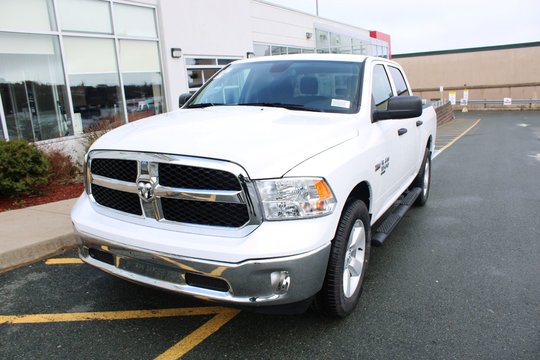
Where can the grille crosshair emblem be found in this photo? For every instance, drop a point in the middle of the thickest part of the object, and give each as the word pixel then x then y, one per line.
pixel 146 190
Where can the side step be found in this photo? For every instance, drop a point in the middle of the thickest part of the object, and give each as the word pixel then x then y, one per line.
pixel 386 227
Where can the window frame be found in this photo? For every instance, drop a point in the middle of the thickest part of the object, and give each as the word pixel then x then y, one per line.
pixel 407 91
pixel 392 90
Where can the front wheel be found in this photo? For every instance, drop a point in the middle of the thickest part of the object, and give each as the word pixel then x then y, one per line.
pixel 348 262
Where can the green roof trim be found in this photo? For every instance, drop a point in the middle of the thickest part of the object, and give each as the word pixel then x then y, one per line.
pixel 475 49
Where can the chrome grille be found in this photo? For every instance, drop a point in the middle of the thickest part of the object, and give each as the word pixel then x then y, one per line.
pixel 125 170
pixel 184 191
pixel 190 177
pixel 118 200
pixel 204 213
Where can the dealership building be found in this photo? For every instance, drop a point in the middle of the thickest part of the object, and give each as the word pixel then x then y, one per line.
pixel 69 66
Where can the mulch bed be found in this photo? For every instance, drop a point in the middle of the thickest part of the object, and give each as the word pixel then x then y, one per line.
pixel 51 193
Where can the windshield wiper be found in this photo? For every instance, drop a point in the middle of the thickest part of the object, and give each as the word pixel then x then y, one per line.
pixel 281 105
pixel 202 105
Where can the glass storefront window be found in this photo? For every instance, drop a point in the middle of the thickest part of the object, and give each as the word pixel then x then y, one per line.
pixel 322 41
pixel 346 45
pixel 32 88
pixel 134 21
pixel 199 70
pixel 94 82
pixel 225 61
pixel 292 50
pixel 30 15
pixel 279 50
pixel 358 47
pixel 197 78
pixel 261 50
pixel 195 61
pixel 266 50
pixel 327 41
pixel 85 16
pixel 335 43
pixel 141 74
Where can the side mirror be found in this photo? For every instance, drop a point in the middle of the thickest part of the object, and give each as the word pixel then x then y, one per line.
pixel 400 107
pixel 182 99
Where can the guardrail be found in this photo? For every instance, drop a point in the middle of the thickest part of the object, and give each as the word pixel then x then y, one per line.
pixel 501 102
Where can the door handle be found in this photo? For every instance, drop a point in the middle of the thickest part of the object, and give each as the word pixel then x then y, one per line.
pixel 419 123
pixel 402 131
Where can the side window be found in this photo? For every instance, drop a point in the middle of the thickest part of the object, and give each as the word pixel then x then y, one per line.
pixel 399 81
pixel 381 89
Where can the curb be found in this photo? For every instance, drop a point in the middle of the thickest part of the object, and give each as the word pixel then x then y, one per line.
pixel 35 252
pixel 35 233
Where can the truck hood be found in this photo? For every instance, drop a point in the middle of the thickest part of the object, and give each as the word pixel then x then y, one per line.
pixel 266 142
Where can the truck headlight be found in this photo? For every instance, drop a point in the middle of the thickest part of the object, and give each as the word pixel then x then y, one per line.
pixel 295 198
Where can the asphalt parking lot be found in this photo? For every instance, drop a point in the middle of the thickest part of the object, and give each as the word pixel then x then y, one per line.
pixel 457 279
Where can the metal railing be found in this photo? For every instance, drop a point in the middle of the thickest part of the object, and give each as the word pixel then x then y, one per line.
pixel 501 102
pixel 439 103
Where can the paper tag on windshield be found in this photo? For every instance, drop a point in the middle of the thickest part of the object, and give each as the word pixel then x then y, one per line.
pixel 346 104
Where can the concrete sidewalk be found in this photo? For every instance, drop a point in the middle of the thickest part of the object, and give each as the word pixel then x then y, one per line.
pixel 35 233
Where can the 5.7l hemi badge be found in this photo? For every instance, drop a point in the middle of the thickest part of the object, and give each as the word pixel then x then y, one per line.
pixel 382 165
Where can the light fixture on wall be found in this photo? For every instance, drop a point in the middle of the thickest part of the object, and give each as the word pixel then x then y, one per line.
pixel 309 35
pixel 250 54
pixel 176 53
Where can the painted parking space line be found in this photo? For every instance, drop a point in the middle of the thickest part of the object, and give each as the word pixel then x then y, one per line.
pixel 63 261
pixel 108 315
pixel 199 335
pixel 445 145
pixel 221 316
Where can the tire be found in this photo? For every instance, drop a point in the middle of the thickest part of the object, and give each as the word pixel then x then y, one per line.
pixel 348 262
pixel 423 180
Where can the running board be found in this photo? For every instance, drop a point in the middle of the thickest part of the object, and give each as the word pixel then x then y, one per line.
pixel 386 227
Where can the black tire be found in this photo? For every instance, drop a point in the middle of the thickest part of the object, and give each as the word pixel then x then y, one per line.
pixel 423 180
pixel 336 298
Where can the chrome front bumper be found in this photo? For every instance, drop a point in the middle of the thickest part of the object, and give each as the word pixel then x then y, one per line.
pixel 274 281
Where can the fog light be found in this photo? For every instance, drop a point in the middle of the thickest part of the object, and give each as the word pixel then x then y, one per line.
pixel 280 281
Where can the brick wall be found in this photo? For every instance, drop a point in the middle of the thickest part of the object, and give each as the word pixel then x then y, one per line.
pixel 444 113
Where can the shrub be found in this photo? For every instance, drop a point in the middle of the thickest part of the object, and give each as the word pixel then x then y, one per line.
pixel 23 168
pixel 62 168
pixel 96 130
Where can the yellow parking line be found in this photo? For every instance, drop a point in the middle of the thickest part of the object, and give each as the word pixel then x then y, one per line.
pixel 222 316
pixel 63 261
pixel 457 138
pixel 110 315
pixel 199 335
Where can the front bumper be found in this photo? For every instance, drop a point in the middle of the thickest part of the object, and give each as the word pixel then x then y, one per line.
pixel 273 281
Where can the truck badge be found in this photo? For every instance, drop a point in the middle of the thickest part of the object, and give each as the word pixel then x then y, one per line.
pixel 146 190
pixel 382 165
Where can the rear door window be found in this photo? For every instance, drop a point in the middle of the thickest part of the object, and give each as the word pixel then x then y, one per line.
pixel 399 82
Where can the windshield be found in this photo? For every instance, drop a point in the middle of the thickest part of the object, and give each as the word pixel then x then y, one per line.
pixel 311 85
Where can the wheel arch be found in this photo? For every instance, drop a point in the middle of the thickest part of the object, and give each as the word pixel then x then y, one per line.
pixel 430 143
pixel 361 191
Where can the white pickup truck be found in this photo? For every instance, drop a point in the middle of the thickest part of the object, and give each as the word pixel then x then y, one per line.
pixel 267 188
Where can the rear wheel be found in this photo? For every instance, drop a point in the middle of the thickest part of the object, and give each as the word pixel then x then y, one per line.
pixel 423 180
pixel 348 262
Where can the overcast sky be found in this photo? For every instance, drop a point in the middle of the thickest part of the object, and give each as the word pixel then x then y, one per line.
pixel 421 25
